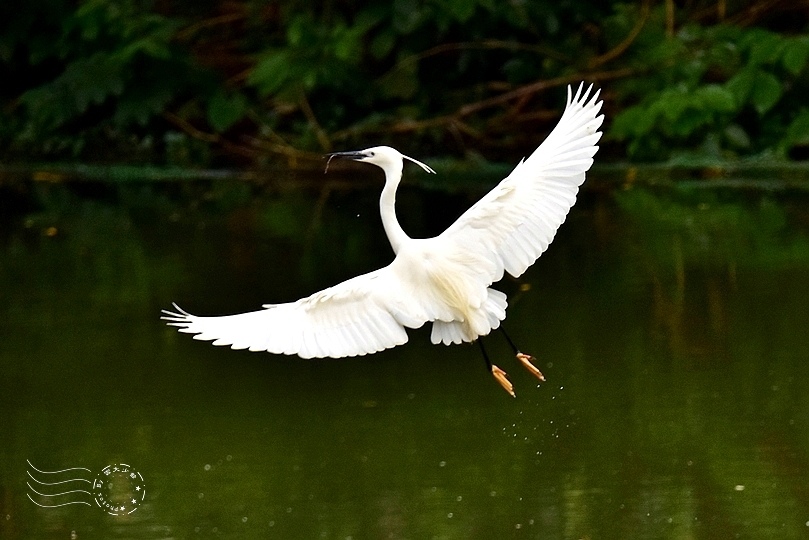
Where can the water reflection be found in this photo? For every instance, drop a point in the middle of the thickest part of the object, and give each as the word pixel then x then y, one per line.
pixel 671 328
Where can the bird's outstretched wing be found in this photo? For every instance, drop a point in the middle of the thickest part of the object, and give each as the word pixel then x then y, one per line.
pixel 515 222
pixel 362 315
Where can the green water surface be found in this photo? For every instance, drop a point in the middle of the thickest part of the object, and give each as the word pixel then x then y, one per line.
pixel 672 327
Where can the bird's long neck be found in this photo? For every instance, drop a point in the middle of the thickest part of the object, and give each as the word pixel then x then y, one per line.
pixel 387 207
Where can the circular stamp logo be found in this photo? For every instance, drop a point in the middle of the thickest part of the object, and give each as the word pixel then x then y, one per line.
pixel 119 489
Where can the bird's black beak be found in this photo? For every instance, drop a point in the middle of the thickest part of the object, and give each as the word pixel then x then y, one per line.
pixel 347 155
pixel 344 155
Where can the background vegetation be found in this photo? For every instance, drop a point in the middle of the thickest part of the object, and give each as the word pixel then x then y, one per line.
pixel 243 82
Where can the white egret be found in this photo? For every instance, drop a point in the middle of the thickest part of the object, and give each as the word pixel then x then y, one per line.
pixel 445 279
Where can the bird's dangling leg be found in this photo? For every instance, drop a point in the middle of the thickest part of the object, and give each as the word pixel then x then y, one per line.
pixel 525 359
pixel 498 374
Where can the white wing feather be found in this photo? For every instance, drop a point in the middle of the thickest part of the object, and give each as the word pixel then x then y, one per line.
pixel 516 221
pixel 359 316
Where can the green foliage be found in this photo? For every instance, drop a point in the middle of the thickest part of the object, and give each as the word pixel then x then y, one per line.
pixel 138 79
pixel 723 91
pixel 121 69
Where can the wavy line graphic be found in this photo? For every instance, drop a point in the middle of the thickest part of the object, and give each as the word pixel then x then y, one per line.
pixel 57 472
pixel 56 483
pixel 57 494
pixel 56 505
pixel 45 498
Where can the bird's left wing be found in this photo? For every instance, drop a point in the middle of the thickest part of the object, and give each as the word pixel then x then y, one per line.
pixel 514 223
pixel 362 315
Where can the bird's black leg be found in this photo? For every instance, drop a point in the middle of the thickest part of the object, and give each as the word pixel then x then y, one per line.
pixel 508 339
pixel 498 374
pixel 485 356
pixel 525 359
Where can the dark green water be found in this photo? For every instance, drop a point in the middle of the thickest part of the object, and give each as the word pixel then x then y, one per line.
pixel 673 329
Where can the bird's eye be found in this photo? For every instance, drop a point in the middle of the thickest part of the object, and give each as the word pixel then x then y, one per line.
pixel 370 154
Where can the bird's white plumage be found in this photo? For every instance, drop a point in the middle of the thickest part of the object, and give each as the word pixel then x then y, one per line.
pixel 445 279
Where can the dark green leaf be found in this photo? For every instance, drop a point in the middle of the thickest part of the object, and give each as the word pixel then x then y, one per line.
pixel 631 122
pixel 737 136
pixel 715 98
pixel 766 92
pixel 798 130
pixel 462 10
pixel 224 110
pixel 741 85
pixel 382 44
pixel 270 73
pixel 796 53
pixel 765 47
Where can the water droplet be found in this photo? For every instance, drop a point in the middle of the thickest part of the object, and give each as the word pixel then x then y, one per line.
pixel 739 487
pixel 459 498
pixel 229 457
pixel 244 519
pixel 518 525
pixel 449 515
pixel 442 464
pixel 207 467
pixel 271 523
pixel 492 493
pixel 200 495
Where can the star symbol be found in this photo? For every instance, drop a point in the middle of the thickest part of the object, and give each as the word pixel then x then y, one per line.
pixel 137 488
pixel 134 501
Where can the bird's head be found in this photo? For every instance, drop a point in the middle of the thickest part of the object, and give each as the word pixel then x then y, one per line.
pixel 381 156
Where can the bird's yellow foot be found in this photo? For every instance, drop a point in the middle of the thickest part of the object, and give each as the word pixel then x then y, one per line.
pixel 525 360
pixel 501 377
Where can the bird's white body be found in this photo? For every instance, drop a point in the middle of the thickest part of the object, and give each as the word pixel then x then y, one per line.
pixel 444 280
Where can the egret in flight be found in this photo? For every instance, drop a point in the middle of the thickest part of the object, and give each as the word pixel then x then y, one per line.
pixel 444 280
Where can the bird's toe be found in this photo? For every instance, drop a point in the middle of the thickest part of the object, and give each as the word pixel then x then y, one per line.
pixel 525 360
pixel 501 377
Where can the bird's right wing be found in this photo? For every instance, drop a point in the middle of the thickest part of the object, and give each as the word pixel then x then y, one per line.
pixel 513 224
pixel 362 315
